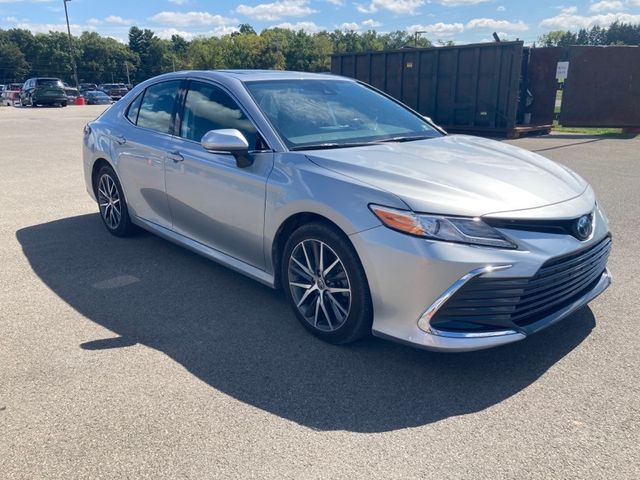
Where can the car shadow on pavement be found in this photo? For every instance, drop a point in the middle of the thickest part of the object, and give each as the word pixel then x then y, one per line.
pixel 241 338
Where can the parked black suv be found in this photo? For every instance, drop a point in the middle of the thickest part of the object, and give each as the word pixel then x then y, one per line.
pixel 43 91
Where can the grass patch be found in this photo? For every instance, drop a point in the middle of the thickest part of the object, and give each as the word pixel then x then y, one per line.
pixel 610 132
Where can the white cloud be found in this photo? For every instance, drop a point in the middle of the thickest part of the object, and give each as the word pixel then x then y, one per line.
pixel 55 27
pixel 338 3
pixel 308 27
pixel 576 22
pixel 371 23
pixel 179 2
pixel 493 24
pixel 501 8
pixel 349 26
pixel 606 6
pixel 188 19
pixel 117 20
pixel 167 33
pixel 438 29
pixel 396 6
pixel 568 10
pixel 276 10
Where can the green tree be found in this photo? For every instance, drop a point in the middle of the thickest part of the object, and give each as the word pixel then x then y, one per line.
pixel 151 52
pixel 13 65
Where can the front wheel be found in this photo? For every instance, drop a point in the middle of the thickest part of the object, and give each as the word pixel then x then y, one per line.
pixel 112 204
pixel 326 285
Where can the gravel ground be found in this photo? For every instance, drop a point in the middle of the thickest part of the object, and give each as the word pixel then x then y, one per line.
pixel 138 359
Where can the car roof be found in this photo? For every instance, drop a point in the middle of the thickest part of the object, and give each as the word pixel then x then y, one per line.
pixel 256 75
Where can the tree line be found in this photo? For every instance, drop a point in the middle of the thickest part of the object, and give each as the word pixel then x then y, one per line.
pixel 102 59
pixel 616 34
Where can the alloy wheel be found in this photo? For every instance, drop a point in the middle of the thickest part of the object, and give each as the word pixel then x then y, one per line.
pixel 109 201
pixel 319 285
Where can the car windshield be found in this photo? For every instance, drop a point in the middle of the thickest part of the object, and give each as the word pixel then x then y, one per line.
pixel 335 114
pixel 49 82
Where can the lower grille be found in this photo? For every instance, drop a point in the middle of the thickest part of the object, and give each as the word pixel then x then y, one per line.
pixel 486 304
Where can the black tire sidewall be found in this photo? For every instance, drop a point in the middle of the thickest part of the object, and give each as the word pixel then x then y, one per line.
pixel 125 227
pixel 358 323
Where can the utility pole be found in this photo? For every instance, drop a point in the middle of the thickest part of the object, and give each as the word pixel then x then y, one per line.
pixel 126 64
pixel 73 57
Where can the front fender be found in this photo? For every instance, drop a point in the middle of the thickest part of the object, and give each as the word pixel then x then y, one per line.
pixel 297 185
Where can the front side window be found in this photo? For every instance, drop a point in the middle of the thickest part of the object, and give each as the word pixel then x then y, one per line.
pixel 209 108
pixel 334 113
pixel 157 106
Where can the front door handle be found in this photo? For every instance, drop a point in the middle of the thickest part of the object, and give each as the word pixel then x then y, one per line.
pixel 175 156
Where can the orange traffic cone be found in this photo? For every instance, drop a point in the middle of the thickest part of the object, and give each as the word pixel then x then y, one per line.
pixel 80 100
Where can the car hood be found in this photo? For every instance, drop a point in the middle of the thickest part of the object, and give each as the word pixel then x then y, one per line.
pixel 457 174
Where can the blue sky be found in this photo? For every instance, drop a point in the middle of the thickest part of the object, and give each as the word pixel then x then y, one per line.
pixel 462 21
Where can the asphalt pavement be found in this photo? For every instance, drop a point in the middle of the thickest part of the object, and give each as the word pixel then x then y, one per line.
pixel 134 358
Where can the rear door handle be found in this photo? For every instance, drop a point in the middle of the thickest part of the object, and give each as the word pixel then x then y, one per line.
pixel 175 156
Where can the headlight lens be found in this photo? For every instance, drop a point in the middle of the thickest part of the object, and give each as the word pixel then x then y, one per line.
pixel 449 229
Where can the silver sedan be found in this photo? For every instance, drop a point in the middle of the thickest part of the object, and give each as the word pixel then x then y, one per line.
pixel 368 216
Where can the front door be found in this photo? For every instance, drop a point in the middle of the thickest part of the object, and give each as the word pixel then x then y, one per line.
pixel 211 199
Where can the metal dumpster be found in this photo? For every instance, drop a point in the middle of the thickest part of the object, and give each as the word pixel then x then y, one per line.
pixel 480 88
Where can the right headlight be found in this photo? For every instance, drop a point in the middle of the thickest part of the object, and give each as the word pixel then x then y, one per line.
pixel 472 231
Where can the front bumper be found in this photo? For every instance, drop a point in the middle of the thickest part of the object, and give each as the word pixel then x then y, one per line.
pixel 409 276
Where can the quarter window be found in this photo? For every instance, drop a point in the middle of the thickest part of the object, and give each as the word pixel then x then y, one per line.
pixel 157 106
pixel 209 108
pixel 132 112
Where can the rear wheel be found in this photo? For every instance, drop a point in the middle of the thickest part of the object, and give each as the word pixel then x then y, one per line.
pixel 112 204
pixel 326 285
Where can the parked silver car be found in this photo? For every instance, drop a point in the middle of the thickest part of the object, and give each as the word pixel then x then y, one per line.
pixel 369 217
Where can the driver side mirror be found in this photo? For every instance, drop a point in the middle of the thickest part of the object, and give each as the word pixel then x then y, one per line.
pixel 228 140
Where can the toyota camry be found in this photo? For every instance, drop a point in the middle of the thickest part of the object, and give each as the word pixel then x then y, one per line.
pixel 369 217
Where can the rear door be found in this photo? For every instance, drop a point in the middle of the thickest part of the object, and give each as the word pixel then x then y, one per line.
pixel 212 200
pixel 142 144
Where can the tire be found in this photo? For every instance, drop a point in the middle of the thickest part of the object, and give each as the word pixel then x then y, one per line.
pixel 63 104
pixel 332 302
pixel 112 204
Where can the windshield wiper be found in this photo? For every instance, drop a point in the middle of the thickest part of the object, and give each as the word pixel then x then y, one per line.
pixel 406 139
pixel 322 146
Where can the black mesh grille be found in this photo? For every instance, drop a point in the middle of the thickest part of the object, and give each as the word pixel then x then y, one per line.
pixel 486 303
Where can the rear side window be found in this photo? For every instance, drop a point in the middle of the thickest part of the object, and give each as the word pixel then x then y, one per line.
pixel 132 112
pixel 209 108
pixel 157 106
